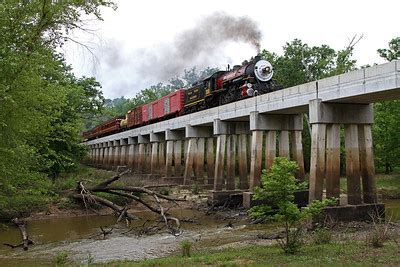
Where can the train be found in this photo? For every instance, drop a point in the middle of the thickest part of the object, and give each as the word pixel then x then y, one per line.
pixel 252 78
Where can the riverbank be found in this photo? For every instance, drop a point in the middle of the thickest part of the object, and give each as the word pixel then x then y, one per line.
pixel 50 197
pixel 350 245
pixel 345 253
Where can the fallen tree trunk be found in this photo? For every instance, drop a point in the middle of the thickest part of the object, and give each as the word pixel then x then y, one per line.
pixel 25 238
pixel 86 194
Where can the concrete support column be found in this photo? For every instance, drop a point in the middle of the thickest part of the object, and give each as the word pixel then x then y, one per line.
pixel 333 161
pixel 173 156
pixel 256 159
pixel 367 163
pixel 230 162
pixel 98 154
pixel 210 160
pixel 123 159
pixel 143 142
pixel 154 158
pixel 194 156
pixel 284 144
pixel 243 170
pixel 219 162
pixel 111 152
pixel 178 158
pixel 297 152
pixel 357 119
pixel 189 160
pixel 131 153
pixel 161 158
pixel 271 123
pixel 199 160
pixel 169 155
pixel 270 148
pixel 317 162
pixel 117 153
pixel 352 164
pixel 106 153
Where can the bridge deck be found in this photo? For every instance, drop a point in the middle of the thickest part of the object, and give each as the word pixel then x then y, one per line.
pixel 377 83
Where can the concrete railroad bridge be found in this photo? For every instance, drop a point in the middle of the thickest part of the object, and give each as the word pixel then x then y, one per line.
pixel 183 149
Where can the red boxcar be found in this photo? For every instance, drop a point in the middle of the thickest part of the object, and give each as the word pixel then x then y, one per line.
pixel 168 105
pixel 134 117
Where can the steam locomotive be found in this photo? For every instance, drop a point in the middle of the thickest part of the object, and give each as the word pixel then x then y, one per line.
pixel 222 87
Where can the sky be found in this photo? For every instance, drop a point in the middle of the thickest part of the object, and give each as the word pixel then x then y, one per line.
pixel 146 42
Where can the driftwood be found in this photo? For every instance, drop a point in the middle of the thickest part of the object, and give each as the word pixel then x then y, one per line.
pixel 25 238
pixel 86 194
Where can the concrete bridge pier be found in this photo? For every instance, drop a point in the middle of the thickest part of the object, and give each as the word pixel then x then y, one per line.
pixel 117 153
pixel 282 125
pixel 103 154
pixel 226 148
pixel 123 156
pixel 131 153
pixel 194 158
pixel 173 156
pixel 157 163
pixel 97 155
pixel 109 155
pixel 210 160
pixel 326 120
pixel 143 143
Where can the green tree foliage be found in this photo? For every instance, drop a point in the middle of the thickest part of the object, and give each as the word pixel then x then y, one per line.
pixel 41 102
pixel 278 187
pixel 301 63
pixel 386 130
pixel 393 52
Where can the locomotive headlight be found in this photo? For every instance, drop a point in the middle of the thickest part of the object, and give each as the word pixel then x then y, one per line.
pixel 263 70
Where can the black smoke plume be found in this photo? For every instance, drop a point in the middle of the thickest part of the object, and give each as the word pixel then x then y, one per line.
pixel 201 46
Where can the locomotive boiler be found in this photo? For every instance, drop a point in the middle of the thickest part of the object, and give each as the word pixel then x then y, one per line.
pixel 251 78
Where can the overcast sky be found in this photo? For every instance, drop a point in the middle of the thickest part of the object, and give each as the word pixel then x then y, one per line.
pixel 140 43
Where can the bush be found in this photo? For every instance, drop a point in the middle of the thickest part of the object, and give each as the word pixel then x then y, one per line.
pixel 278 187
pixel 61 258
pixel 186 245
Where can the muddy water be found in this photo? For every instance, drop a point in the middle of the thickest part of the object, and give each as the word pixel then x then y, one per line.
pixel 392 207
pixel 79 238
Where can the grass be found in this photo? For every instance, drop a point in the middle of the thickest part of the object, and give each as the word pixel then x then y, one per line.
pixel 348 253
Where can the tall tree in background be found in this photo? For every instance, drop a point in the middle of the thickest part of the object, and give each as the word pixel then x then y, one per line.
pixel 41 102
pixel 387 121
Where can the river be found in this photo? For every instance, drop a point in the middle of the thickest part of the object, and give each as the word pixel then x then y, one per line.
pixel 78 237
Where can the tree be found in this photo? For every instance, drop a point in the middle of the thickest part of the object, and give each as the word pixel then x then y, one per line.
pixel 278 187
pixel 386 129
pixel 393 52
pixel 42 102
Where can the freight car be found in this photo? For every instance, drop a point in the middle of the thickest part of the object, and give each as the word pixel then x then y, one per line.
pixel 249 79
pixel 106 128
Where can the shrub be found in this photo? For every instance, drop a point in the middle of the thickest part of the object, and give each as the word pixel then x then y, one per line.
pixel 186 246
pixel 61 258
pixel 278 187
